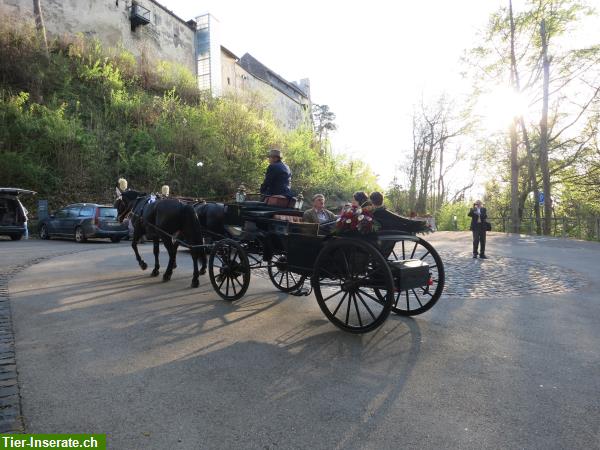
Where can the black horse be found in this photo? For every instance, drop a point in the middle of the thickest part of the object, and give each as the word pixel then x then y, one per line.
pixel 163 219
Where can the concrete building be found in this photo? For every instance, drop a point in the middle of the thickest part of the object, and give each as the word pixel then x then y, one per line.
pixel 145 27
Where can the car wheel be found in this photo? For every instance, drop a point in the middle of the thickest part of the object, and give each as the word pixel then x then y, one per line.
pixel 16 237
pixel 79 236
pixel 44 232
pixel 116 240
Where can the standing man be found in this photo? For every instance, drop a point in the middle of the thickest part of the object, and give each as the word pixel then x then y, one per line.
pixel 277 178
pixel 318 213
pixel 478 215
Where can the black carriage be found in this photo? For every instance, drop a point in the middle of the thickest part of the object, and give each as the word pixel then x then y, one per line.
pixel 357 279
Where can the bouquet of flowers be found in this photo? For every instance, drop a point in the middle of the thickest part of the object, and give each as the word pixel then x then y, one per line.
pixel 356 219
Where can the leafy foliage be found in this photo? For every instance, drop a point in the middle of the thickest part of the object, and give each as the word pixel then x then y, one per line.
pixel 76 119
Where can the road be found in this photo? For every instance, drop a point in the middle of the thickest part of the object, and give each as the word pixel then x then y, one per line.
pixel 509 358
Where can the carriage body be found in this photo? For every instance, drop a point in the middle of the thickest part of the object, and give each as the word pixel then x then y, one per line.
pixel 357 278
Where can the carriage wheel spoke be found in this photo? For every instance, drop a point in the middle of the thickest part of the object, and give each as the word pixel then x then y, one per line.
pixel 227 287
pixel 417 297
pixel 280 279
pixel 238 282
pixel 222 281
pixel 407 301
pixel 287 279
pixel 293 279
pixel 395 256
pixel 370 296
pixel 414 249
pixel 332 295
pixel 403 252
pixel 423 257
pixel 233 285
pixel 357 312
pixel 397 299
pixel 346 264
pixel 364 303
pixel 348 309
pixel 339 304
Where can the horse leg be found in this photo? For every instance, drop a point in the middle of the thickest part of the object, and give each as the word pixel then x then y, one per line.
pixel 202 255
pixel 195 282
pixel 170 249
pixel 136 235
pixel 175 246
pixel 156 270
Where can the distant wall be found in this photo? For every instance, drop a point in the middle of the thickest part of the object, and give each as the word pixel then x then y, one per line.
pixel 289 113
pixel 166 37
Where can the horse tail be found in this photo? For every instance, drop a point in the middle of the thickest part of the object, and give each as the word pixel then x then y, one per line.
pixel 192 228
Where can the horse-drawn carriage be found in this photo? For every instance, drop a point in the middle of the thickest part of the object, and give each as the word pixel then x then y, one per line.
pixel 358 279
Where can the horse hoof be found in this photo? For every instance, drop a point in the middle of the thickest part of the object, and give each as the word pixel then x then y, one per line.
pixel 203 271
pixel 166 277
pixel 143 265
pixel 174 266
pixel 155 273
pixel 195 283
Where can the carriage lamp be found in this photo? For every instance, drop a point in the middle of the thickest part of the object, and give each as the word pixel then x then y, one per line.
pixel 299 201
pixel 240 195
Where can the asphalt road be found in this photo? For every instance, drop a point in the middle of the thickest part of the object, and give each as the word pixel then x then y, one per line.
pixel 103 348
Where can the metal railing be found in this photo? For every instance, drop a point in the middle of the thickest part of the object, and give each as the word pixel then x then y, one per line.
pixel 587 228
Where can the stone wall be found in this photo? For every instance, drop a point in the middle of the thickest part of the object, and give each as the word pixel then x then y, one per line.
pixel 289 113
pixel 166 37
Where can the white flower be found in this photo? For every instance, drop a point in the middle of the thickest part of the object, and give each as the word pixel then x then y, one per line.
pixel 359 211
pixel 339 219
pixel 361 217
pixel 348 220
pixel 369 218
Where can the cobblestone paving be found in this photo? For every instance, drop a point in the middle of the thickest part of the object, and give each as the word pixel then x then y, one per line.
pixel 498 277
pixel 501 277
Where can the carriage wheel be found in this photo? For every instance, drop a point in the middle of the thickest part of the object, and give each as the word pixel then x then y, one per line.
pixel 229 269
pixel 418 300
pixel 346 275
pixel 281 277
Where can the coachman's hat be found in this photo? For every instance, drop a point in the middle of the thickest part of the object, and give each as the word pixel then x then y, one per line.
pixel 275 152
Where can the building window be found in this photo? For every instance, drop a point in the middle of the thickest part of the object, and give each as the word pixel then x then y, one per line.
pixel 228 81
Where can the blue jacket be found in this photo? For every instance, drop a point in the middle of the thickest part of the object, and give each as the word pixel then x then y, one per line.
pixel 277 180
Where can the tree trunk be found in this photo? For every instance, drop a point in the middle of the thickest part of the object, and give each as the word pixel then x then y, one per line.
pixel 544 131
pixel 514 156
pixel 514 179
pixel 39 23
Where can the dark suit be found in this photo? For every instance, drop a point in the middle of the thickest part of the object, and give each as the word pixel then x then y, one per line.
pixel 478 229
pixel 277 180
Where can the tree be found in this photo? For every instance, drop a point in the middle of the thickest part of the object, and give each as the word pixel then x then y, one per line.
pixel 323 119
pixel 518 46
pixel 39 22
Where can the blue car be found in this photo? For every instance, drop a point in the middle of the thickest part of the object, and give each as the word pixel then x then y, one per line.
pixel 83 221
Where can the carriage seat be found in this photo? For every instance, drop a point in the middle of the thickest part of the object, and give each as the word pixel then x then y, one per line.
pixel 287 218
pixel 280 200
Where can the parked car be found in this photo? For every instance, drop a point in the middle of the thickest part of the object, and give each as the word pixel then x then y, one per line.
pixel 13 215
pixel 83 221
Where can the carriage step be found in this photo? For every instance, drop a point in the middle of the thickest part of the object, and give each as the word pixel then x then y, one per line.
pixel 410 273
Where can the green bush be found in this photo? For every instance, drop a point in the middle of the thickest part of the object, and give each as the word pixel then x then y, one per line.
pixel 75 120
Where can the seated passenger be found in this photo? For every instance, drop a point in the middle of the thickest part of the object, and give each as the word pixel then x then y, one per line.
pixel 377 200
pixel 318 213
pixel 359 200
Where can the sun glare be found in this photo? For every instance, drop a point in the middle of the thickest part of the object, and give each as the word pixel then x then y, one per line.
pixel 499 107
